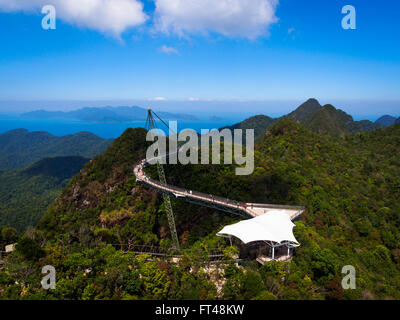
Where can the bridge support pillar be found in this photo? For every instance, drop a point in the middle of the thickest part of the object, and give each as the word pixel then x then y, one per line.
pixel 273 252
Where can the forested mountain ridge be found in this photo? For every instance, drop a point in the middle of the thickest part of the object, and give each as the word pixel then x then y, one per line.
pixel 328 119
pixel 349 184
pixel 304 111
pixel 322 119
pixel 259 123
pixel 26 193
pixel 20 148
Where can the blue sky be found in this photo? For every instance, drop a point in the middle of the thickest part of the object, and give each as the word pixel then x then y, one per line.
pixel 302 53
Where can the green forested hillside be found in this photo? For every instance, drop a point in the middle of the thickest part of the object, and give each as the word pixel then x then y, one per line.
pixel 20 148
pixel 349 184
pixel 350 187
pixel 26 193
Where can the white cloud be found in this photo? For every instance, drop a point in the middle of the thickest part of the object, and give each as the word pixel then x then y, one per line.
pixel 291 30
pixel 193 99
pixel 158 99
pixel 107 16
pixel 232 18
pixel 169 50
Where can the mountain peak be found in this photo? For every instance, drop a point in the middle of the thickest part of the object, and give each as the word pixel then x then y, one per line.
pixel 312 101
pixel 305 110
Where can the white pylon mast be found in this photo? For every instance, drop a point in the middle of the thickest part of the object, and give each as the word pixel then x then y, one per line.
pixel 150 123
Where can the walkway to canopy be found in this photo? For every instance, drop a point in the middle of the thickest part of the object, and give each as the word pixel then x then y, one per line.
pixel 264 214
pixel 244 209
pixel 275 229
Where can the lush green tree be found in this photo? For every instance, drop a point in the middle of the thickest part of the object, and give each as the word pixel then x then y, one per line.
pixel 30 249
pixel 8 235
pixel 156 283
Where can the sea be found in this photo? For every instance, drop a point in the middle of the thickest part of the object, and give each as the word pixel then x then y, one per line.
pixel 62 127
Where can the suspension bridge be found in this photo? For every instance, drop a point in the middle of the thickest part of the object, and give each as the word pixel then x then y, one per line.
pixel 246 210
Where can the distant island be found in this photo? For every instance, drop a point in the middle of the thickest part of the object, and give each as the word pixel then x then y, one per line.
pixel 106 115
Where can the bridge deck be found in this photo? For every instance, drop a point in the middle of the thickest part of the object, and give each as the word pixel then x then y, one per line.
pixel 245 209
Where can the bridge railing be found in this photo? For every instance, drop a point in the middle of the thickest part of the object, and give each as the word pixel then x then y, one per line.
pixel 210 253
pixel 275 206
pixel 216 201
pixel 213 198
pixel 204 196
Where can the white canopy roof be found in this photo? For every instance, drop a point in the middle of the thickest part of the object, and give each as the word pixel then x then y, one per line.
pixel 273 226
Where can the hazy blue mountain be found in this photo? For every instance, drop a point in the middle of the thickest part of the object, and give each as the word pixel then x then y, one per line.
pixel 19 148
pixel 106 114
pixel 26 193
pixel 386 120
pixel 398 120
